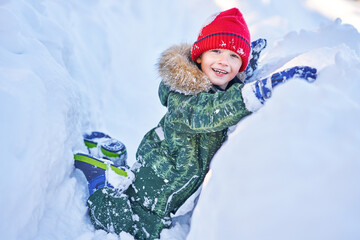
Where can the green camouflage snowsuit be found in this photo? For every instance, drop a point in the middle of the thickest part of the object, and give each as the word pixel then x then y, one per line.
pixel 174 157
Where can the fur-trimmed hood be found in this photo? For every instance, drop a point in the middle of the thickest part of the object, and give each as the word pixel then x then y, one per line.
pixel 179 72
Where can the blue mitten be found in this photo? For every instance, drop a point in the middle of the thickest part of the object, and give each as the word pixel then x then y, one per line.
pixel 256 47
pixel 262 89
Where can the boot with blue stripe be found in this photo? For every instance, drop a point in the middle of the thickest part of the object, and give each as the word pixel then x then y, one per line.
pixel 92 139
pixel 95 171
pixel 102 145
pixel 113 150
pixel 105 154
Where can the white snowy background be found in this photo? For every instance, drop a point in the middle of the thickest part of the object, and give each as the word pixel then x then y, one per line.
pixel 289 171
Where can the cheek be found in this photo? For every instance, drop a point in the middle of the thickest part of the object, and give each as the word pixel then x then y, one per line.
pixel 238 65
pixel 233 74
pixel 205 65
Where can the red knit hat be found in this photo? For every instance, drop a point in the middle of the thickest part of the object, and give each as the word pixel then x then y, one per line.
pixel 229 31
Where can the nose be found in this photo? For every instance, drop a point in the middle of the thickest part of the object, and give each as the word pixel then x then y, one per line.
pixel 223 60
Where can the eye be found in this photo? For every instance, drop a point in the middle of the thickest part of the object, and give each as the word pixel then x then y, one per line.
pixel 215 50
pixel 234 56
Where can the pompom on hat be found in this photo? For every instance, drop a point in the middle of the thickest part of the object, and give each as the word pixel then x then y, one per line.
pixel 229 31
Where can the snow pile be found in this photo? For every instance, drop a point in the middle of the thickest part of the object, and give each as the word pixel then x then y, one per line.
pixel 120 183
pixel 291 170
pixel 287 172
pixel 68 67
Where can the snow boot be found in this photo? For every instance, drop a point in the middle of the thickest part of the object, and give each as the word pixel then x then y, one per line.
pixel 92 140
pixel 113 150
pixel 102 145
pixel 95 170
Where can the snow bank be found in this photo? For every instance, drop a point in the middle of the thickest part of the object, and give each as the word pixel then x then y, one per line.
pixel 68 67
pixel 72 66
pixel 290 171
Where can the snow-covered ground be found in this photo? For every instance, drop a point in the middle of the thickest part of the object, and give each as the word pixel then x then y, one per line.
pixel 289 171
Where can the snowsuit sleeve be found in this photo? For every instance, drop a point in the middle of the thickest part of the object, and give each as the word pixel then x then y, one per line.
pixel 206 112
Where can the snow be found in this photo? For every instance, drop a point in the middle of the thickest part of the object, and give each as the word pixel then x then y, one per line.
pixel 119 182
pixel 289 171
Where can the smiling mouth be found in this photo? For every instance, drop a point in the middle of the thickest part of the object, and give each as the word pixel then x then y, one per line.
pixel 219 71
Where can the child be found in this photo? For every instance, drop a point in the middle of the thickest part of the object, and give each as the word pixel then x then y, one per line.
pixel 202 90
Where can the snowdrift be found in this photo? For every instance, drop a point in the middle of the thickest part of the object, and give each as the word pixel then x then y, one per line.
pixel 288 171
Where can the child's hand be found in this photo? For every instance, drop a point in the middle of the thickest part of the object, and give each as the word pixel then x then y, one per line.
pixel 307 73
pixel 256 47
pixel 262 89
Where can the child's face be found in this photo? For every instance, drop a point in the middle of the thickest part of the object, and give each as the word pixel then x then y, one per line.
pixel 220 65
